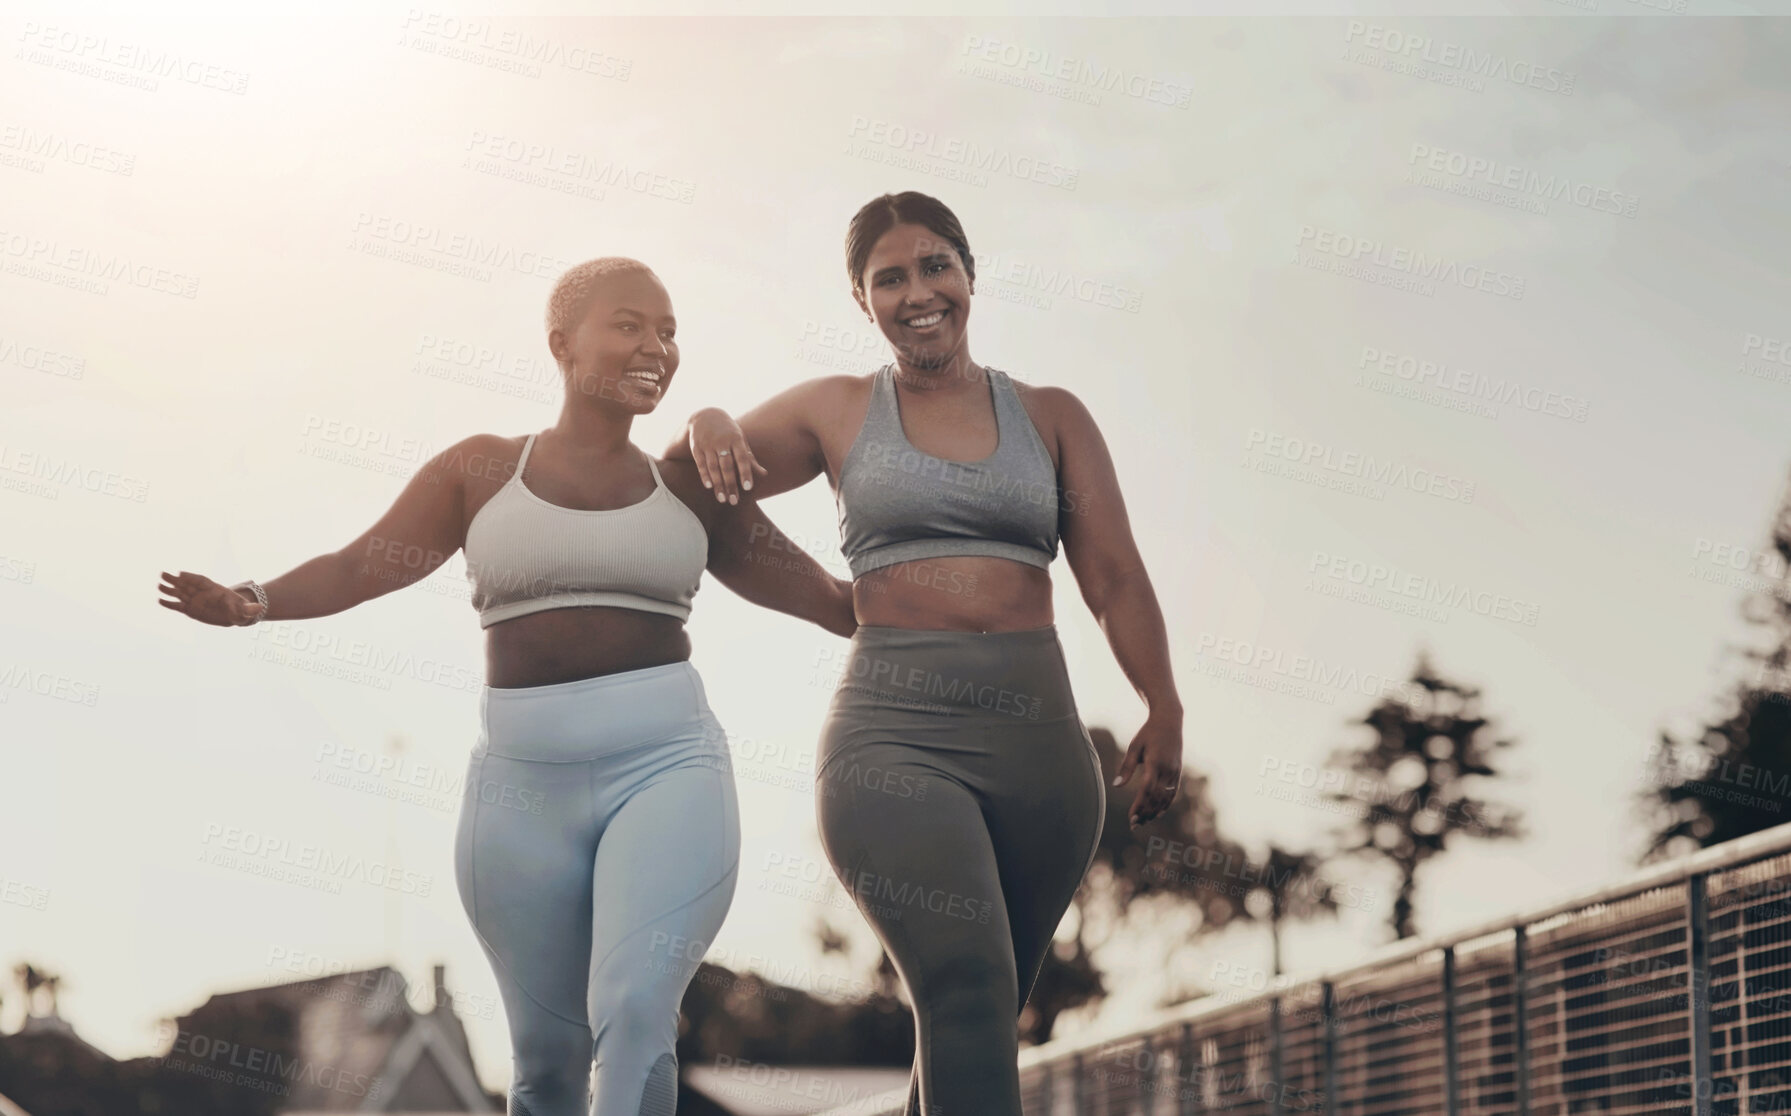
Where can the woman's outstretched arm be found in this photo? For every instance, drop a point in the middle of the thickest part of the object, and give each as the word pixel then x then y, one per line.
pixel 420 531
pixel 1097 541
pixel 773 448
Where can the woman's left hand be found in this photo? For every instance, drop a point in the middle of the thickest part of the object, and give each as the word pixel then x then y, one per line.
pixel 723 459
pixel 1157 751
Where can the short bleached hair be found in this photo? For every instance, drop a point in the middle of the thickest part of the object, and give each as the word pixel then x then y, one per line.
pixel 572 292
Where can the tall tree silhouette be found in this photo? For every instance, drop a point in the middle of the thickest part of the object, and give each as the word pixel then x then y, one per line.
pixel 1410 785
pixel 1733 777
pixel 1293 886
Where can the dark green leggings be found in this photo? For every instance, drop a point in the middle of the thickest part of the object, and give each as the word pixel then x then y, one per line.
pixel 960 801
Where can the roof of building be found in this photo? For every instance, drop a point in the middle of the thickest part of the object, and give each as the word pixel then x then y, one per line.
pixel 353 1037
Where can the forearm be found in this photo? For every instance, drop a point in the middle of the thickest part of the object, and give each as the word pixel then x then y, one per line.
pixel 323 586
pixel 828 604
pixel 794 584
pixel 1133 622
pixel 759 562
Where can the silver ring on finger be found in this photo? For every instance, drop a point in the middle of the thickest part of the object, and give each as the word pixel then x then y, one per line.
pixel 723 453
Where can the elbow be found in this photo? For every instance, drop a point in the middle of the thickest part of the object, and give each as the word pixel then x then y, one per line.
pixel 1104 586
pixel 354 581
pixel 847 610
pixel 1097 596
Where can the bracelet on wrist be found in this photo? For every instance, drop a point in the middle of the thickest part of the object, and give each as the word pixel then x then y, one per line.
pixel 260 598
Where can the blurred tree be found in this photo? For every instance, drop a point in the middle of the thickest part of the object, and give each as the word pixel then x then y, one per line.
pixel 1067 978
pixel 30 978
pixel 1409 784
pixel 1179 865
pixel 1733 776
pixel 1293 887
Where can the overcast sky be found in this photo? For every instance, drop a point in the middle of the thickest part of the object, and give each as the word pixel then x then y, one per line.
pixel 1492 307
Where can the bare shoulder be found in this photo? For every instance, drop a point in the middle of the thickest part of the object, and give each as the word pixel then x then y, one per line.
pixel 823 408
pixel 1054 409
pixel 1049 399
pixel 681 476
pixel 481 457
pixel 827 392
pixel 462 478
pixel 475 468
pixel 824 385
pixel 489 445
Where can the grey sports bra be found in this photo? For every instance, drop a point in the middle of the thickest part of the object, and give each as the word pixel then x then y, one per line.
pixel 898 503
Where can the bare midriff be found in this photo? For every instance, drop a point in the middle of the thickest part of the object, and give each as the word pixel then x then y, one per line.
pixel 967 593
pixel 567 644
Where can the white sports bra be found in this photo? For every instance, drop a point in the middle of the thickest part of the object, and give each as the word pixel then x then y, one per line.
pixel 526 555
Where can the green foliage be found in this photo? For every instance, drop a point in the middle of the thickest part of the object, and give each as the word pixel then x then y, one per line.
pixel 1733 776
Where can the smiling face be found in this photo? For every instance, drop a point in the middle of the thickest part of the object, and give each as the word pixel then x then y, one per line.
pixel 917 291
pixel 624 350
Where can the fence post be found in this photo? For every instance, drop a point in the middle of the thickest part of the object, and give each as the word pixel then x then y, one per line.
pixel 1150 1078
pixel 1451 1065
pixel 1698 1002
pixel 1330 1048
pixel 1076 1088
pixel 1047 1101
pixel 1157 1046
pixel 1275 1050
pixel 1188 1078
pixel 1520 1006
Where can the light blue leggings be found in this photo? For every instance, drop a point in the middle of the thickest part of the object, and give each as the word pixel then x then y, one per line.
pixel 596 854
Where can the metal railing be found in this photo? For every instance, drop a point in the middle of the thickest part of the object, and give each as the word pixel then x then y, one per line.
pixel 1667 992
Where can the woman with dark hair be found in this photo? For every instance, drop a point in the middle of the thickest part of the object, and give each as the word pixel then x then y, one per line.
pixel 958 794
pixel 599 835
